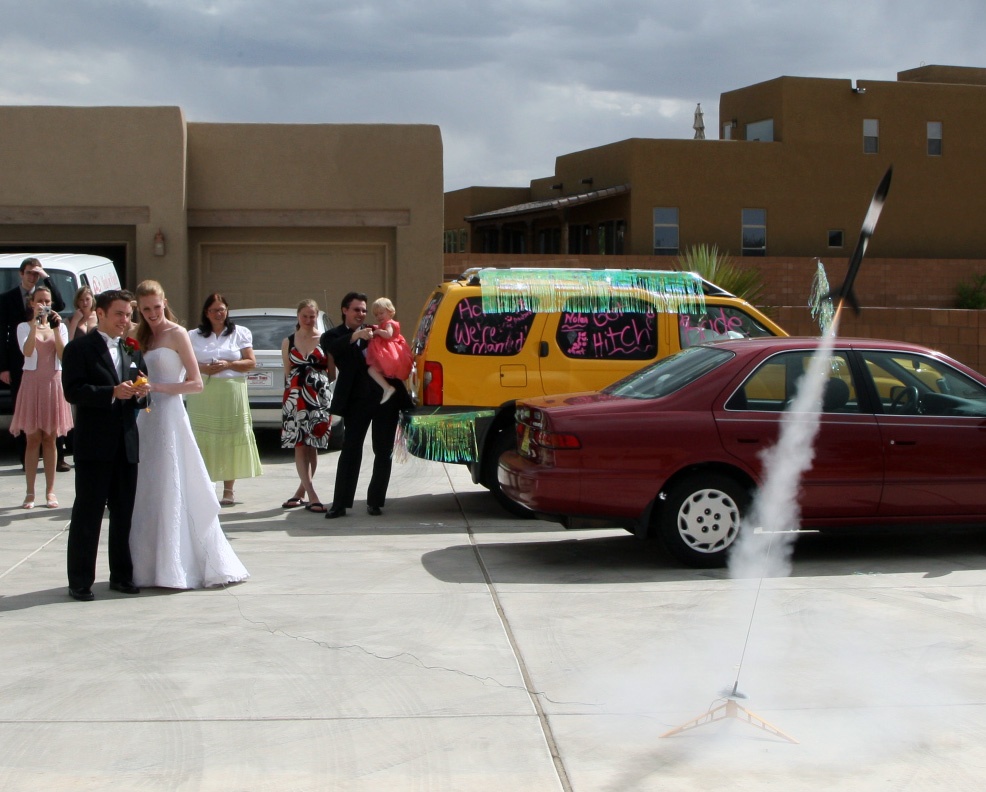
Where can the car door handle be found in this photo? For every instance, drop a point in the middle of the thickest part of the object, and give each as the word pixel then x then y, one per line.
pixel 543 349
pixel 748 440
pixel 904 442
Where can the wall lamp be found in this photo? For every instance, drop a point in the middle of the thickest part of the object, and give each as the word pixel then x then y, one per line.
pixel 857 89
pixel 557 186
pixel 159 243
pixel 587 180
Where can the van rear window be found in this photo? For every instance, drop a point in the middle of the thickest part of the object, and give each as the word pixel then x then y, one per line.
pixel 424 326
pixel 607 336
pixel 473 332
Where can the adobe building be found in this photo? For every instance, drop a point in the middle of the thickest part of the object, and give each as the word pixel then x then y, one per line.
pixel 791 175
pixel 268 214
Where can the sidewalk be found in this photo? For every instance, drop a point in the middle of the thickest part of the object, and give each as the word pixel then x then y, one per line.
pixel 446 646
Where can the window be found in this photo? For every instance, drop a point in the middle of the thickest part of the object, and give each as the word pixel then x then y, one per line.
pixel 934 138
pixel 909 384
pixel 761 130
pixel 774 385
pixel 549 240
pixel 607 336
pixel 455 241
pixel 754 232
pixel 473 332
pixel 665 231
pixel 836 238
pixel 727 130
pixel 610 237
pixel 579 238
pixel 718 322
pixel 871 136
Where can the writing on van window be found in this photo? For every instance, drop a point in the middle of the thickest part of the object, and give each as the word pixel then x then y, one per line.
pixel 612 336
pixel 474 332
pixel 716 323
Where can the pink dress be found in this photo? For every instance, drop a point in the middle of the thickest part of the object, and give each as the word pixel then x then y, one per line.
pixel 392 356
pixel 41 401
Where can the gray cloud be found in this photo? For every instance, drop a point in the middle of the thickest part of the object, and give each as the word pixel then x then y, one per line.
pixel 512 84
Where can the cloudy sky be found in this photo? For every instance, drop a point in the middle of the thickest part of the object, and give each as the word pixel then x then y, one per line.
pixel 512 84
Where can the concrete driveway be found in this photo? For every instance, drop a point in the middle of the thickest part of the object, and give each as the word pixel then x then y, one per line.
pixel 447 646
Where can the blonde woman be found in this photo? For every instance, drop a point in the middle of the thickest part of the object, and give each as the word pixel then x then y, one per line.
pixel 306 423
pixel 41 411
pixel 176 540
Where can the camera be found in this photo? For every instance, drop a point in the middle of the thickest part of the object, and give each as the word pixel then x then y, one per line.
pixel 45 310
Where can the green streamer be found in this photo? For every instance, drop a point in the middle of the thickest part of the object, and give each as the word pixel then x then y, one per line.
pixel 590 291
pixel 819 303
pixel 440 437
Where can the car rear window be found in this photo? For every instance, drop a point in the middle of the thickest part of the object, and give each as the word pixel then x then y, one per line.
pixel 609 336
pixel 669 374
pixel 471 331
pixel 427 322
pixel 268 331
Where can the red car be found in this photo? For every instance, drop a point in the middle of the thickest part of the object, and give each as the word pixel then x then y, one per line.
pixel 674 450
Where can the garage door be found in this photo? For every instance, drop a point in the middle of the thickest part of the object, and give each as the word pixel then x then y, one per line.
pixel 279 276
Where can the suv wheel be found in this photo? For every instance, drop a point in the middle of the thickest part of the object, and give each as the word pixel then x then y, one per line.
pixel 700 519
pixel 495 447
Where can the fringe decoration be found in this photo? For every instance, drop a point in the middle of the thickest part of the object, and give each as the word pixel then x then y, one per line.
pixel 440 437
pixel 590 291
pixel 819 303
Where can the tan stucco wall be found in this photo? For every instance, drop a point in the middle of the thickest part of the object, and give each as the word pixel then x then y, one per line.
pixel 117 175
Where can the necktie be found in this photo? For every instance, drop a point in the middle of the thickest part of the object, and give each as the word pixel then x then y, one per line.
pixel 122 366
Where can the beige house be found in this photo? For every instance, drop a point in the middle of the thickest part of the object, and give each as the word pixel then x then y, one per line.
pixel 268 214
pixel 791 174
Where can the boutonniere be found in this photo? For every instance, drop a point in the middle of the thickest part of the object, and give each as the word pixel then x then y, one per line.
pixel 130 346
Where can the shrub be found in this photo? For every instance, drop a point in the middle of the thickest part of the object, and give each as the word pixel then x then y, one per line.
pixel 745 282
pixel 972 295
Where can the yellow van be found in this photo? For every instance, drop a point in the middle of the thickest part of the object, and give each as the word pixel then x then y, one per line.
pixel 471 365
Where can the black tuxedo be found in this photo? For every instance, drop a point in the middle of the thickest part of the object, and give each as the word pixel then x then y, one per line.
pixel 106 456
pixel 357 399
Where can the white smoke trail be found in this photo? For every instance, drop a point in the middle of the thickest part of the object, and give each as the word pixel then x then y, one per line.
pixel 767 540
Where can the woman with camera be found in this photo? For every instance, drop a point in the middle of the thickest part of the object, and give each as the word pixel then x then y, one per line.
pixel 41 411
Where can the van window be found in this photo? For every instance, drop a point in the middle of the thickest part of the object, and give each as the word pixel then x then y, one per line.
pixel 610 336
pixel 716 323
pixel 473 332
pixel 426 323
pixel 66 284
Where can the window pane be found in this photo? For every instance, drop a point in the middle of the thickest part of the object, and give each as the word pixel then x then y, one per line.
pixel 836 239
pixel 665 215
pixel 754 217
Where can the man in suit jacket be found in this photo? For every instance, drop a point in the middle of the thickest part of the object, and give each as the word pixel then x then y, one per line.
pixel 13 311
pixel 98 373
pixel 357 399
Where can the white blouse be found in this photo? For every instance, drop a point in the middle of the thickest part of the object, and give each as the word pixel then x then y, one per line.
pixel 223 347
pixel 31 361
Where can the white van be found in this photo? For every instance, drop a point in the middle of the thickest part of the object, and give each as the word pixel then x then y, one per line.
pixel 68 272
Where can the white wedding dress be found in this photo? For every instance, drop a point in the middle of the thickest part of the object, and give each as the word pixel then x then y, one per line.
pixel 176 540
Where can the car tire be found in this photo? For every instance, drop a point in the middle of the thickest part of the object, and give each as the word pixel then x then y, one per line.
pixel 496 446
pixel 700 518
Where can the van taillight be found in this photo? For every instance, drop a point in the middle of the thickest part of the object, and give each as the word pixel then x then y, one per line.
pixel 432 385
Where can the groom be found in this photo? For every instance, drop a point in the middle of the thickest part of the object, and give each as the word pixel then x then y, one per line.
pixel 98 373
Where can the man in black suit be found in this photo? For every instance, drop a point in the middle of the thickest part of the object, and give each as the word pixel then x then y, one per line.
pixel 98 374
pixel 13 311
pixel 357 399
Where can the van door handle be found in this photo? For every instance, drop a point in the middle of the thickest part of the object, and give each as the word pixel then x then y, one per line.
pixel 543 349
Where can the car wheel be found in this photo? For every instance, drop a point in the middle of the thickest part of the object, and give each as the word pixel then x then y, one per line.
pixel 700 519
pixel 495 447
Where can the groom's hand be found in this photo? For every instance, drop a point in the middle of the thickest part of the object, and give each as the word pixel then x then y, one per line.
pixel 125 390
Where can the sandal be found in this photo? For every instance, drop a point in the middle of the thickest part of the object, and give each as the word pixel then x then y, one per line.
pixel 227 498
pixel 315 506
pixel 52 501
pixel 293 503
pixel 28 501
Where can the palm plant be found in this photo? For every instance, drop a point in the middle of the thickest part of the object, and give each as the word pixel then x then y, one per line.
pixel 707 261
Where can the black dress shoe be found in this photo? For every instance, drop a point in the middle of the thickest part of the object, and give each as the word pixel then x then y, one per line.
pixel 62 466
pixel 82 595
pixel 335 511
pixel 373 511
pixel 124 588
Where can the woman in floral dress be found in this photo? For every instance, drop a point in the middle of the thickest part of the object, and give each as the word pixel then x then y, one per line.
pixel 306 423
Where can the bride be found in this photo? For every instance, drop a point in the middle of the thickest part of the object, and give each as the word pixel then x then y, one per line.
pixel 176 540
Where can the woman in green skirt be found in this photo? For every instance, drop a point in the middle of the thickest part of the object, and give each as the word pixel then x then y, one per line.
pixel 220 414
